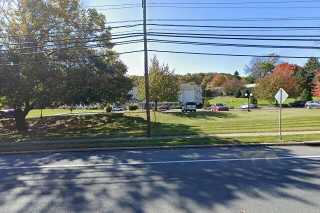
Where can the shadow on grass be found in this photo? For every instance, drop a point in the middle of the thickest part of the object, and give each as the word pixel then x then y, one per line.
pixel 88 126
pixel 202 115
pixel 175 187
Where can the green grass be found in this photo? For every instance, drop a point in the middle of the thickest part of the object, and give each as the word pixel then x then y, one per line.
pixel 75 126
pixel 51 112
pixel 237 102
pixel 164 124
pixel 235 122
pixel 275 139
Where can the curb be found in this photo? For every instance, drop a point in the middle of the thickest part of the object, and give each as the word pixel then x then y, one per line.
pixel 305 143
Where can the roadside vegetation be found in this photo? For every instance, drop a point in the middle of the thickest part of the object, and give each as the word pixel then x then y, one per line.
pixel 133 124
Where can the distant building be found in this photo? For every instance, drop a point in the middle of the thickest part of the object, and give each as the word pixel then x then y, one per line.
pixel 133 94
pixel 190 92
pixel 250 86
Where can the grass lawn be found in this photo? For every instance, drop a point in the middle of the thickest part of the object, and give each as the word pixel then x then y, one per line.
pixel 237 102
pixel 234 122
pixel 50 112
pixel 164 124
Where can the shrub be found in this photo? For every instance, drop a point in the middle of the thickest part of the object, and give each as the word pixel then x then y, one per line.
pixel 133 107
pixel 206 103
pixel 238 94
pixel 108 108
pixel 253 100
pixel 305 95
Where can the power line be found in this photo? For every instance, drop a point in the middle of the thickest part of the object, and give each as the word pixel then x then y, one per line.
pixel 71 41
pixel 218 54
pixel 230 30
pixel 230 55
pixel 232 3
pixel 236 38
pixel 135 41
pixel 187 53
pixel 263 37
pixel 62 33
pixel 270 19
pixel 180 42
pixel 232 7
pixel 236 35
pixel 184 29
pixel 234 27
pixel 266 19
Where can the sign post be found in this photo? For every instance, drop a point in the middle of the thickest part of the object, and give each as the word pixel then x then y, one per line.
pixel 281 97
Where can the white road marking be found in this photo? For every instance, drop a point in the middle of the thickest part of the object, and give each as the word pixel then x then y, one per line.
pixel 158 162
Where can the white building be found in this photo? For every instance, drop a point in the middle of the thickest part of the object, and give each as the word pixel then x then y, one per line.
pixel 190 92
pixel 250 86
pixel 133 94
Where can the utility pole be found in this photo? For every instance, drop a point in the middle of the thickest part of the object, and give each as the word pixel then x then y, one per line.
pixel 146 67
pixel 280 116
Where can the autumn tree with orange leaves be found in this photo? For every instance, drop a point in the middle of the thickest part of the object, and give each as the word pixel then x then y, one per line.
pixel 283 76
pixel 316 90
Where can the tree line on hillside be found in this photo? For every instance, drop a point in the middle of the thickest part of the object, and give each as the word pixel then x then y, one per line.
pixel 55 52
pixel 270 74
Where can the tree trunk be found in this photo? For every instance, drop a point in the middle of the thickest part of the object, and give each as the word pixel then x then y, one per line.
pixel 155 105
pixel 20 119
pixel 41 114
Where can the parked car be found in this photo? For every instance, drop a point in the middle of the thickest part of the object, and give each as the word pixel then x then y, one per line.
pixel 298 104
pixel 164 107
pixel 117 109
pixel 189 107
pixel 219 108
pixel 7 113
pixel 313 105
pixel 251 106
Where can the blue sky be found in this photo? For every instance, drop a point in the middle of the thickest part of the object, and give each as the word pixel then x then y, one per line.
pixel 195 64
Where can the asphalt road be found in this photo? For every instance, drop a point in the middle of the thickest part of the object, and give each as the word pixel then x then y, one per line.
pixel 237 180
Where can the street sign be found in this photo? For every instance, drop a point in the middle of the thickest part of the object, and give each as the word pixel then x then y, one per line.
pixel 281 96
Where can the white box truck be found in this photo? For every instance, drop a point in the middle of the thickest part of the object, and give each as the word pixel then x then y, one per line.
pixel 190 93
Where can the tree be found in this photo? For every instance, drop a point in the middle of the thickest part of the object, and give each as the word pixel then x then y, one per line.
pixel 56 52
pixel 233 86
pixel 204 85
pixel 163 84
pixel 283 76
pixel 249 79
pixel 238 94
pixel 260 67
pixel 237 75
pixel 316 89
pixel 218 80
pixel 305 78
